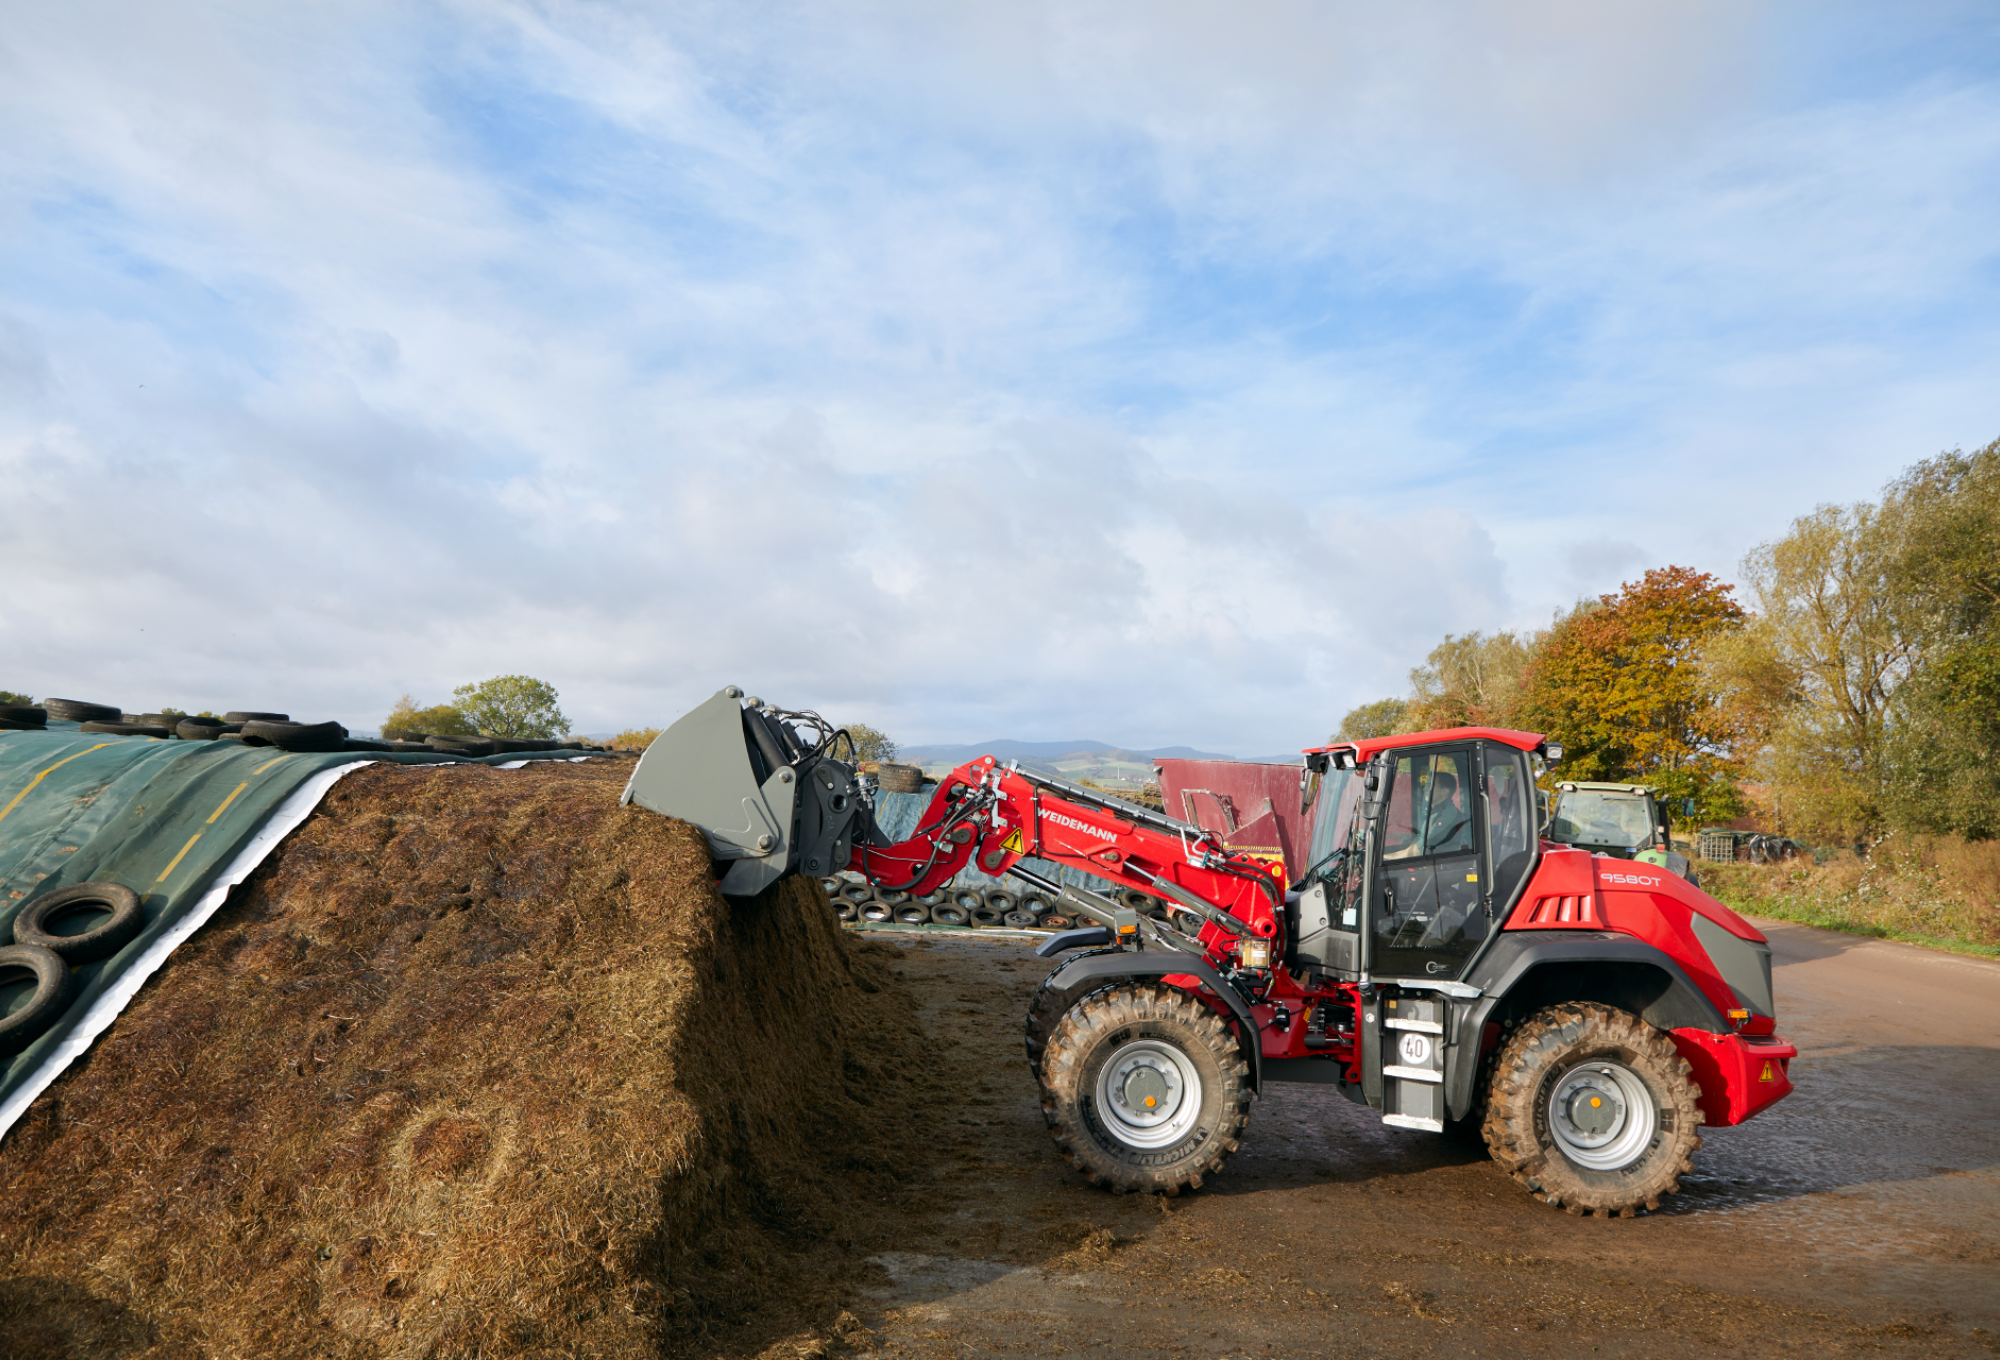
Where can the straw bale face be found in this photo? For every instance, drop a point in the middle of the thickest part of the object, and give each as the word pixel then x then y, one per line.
pixel 477 1063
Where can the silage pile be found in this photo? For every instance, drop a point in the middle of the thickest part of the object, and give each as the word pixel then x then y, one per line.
pixel 477 1064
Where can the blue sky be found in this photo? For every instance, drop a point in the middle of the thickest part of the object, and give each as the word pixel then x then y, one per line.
pixel 1153 373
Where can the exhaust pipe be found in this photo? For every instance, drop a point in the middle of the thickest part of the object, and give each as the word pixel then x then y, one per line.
pixel 769 802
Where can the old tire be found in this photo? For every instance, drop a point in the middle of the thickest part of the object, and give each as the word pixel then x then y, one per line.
pixel 899 778
pixel 913 913
pixel 1034 904
pixel 874 909
pixel 124 729
pixel 1593 1110
pixel 1000 900
pixel 846 910
pixel 290 736
pixel 80 711
pixel 27 715
pixel 949 914
pixel 983 915
pixel 460 746
pixel 51 997
pixel 246 716
pixel 1144 1089
pixel 1017 920
pixel 122 920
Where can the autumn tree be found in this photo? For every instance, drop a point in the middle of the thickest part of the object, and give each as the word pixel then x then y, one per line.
pixel 1621 685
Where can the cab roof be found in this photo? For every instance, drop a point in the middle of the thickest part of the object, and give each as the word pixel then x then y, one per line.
pixel 1366 748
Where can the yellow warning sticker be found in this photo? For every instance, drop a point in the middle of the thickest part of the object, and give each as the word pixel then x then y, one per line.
pixel 1472 878
pixel 1013 843
pixel 1768 1074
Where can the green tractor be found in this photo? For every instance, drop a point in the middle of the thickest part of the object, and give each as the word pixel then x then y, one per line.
pixel 1627 821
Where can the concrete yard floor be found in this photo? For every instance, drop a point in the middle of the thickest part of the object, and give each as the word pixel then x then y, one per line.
pixel 1861 1214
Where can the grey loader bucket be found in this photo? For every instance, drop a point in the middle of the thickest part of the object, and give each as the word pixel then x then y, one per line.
pixel 770 799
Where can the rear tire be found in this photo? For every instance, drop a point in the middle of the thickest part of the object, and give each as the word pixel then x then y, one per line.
pixel 1049 1004
pixel 1144 1089
pixel 1593 1110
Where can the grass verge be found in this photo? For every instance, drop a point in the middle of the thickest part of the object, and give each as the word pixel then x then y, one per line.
pixel 1928 893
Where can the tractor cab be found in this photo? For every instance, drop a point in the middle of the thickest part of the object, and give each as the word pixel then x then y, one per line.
pixel 1420 845
pixel 1624 821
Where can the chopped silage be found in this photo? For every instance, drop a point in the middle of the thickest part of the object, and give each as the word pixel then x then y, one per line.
pixel 478 1063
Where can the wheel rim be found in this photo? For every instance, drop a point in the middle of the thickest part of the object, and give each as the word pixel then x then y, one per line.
pixel 1601 1115
pixel 1143 1070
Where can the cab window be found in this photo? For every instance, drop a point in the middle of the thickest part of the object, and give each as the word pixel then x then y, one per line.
pixel 1430 807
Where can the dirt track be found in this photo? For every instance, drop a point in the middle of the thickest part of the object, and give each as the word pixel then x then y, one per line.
pixel 1862 1214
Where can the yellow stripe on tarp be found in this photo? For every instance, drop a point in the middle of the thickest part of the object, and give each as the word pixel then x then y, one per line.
pixel 181 856
pixel 44 775
pixel 226 802
pixel 269 763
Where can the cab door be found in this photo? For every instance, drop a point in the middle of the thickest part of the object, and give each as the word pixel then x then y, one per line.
pixel 1430 916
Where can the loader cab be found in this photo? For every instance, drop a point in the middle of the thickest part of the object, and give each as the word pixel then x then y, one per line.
pixel 1421 844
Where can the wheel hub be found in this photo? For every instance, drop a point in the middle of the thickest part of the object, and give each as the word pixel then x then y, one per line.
pixel 1146 1088
pixel 1601 1115
pixel 1148 1094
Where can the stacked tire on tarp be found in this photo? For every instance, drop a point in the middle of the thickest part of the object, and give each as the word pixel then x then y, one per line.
pixel 257 728
pixel 53 934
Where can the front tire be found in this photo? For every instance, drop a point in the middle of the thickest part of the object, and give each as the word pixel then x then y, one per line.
pixel 1593 1110
pixel 1144 1088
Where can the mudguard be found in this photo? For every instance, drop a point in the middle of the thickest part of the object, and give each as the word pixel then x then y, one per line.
pixel 1669 1002
pixel 1141 963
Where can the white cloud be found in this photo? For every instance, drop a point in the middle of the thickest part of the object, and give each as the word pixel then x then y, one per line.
pixel 1154 374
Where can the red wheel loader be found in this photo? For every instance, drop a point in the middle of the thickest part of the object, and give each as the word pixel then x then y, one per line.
pixel 1437 960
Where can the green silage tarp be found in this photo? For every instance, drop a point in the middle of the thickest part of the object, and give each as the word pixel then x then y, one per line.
pixel 178 822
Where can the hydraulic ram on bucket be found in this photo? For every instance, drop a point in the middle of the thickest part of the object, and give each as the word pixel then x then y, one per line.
pixel 765 797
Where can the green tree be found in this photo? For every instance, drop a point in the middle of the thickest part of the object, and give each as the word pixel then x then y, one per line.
pixel 1470 681
pixel 1941 764
pixel 511 706
pixel 1622 686
pixel 8 697
pixel 1837 633
pixel 439 720
pixel 1379 719
pixel 871 743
